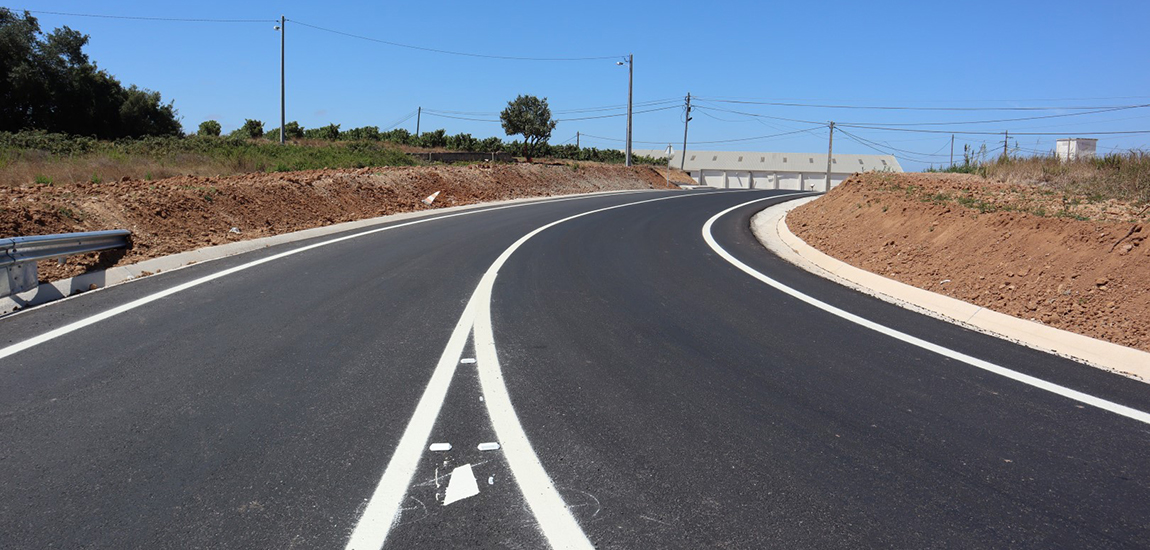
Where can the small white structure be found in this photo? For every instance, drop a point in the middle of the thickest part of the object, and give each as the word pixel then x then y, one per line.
pixel 1075 148
pixel 758 170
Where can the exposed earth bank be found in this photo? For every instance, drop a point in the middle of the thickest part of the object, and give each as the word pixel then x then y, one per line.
pixel 185 213
pixel 1025 250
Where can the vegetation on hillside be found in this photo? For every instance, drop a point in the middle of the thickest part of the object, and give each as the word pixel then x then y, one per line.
pixel 48 83
pixel 1120 175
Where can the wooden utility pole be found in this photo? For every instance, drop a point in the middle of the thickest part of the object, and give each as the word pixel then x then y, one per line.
pixel 830 151
pixel 1005 141
pixel 418 115
pixel 683 158
pixel 577 140
pixel 952 150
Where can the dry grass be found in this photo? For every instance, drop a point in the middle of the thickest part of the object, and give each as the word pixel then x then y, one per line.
pixel 1121 176
pixel 44 168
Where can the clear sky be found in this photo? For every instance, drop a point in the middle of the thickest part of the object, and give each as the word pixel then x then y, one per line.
pixel 878 53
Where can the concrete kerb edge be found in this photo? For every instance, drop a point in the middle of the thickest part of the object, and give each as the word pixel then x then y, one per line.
pixel 770 228
pixel 82 284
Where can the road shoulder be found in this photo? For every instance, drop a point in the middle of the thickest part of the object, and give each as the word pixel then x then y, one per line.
pixel 770 228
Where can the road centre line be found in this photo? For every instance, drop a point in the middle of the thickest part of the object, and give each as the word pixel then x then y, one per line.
pixel 93 319
pixel 1039 383
pixel 554 519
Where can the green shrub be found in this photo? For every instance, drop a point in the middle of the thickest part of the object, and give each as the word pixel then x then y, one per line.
pixel 251 129
pixel 209 128
pixel 365 133
pixel 438 138
pixel 329 132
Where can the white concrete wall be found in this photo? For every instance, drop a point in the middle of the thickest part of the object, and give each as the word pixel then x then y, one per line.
pixel 739 179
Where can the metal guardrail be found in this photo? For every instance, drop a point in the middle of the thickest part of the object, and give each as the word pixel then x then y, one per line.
pixel 18 255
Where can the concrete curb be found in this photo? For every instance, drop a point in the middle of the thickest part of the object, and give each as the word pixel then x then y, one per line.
pixel 94 280
pixel 770 227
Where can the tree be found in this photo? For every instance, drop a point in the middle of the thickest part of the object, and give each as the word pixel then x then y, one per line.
pixel 209 128
pixel 48 83
pixel 530 117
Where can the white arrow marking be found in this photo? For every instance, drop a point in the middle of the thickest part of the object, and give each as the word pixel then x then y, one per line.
pixel 461 485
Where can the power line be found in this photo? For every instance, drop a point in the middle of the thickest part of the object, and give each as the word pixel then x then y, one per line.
pixel 908 108
pixel 619 114
pixel 1005 119
pixel 142 18
pixel 761 116
pixel 753 138
pixel 974 133
pixel 450 52
pixel 996 121
pixel 565 111
pixel 877 147
pixel 453 116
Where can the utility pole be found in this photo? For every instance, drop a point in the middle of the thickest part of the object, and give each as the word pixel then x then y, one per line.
pixel 282 108
pixel 1005 140
pixel 418 115
pixel 630 90
pixel 952 150
pixel 577 140
pixel 830 151
pixel 683 159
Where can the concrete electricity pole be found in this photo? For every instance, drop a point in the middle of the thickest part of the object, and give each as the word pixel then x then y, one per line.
pixel 683 159
pixel 283 111
pixel 577 140
pixel 629 61
pixel 418 115
pixel 630 91
pixel 1005 140
pixel 830 151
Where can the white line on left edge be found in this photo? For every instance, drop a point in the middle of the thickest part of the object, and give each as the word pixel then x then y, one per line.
pixel 555 520
pixel 1051 387
pixel 77 325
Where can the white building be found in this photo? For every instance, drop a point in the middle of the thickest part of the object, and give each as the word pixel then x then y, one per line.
pixel 1075 148
pixel 758 170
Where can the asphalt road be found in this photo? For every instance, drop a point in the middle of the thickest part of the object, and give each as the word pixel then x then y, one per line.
pixel 644 393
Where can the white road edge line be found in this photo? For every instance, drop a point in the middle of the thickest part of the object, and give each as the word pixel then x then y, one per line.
pixel 91 320
pixel 1075 395
pixel 555 520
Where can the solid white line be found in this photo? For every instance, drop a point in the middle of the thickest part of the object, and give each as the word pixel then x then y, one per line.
pixel 946 352
pixel 555 521
pixel 77 325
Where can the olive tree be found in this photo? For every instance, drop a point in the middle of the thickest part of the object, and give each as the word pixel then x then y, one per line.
pixel 530 117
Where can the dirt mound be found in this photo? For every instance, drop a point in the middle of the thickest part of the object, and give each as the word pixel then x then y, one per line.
pixel 184 213
pixel 1023 250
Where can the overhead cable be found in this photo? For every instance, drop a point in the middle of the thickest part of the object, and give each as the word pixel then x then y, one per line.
pixel 450 52
pixel 142 18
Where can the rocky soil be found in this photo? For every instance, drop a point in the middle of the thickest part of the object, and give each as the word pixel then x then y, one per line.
pixel 1023 250
pixel 184 213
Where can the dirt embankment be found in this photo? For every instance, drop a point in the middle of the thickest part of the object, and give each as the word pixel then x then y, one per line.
pixel 1023 250
pixel 184 213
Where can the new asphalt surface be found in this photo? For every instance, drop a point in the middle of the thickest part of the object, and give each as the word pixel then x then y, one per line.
pixel 674 401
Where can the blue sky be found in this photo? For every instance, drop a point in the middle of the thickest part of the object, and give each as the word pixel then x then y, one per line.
pixel 917 54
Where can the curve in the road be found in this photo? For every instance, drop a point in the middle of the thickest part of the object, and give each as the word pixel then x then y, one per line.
pixel 1051 387
pixel 554 519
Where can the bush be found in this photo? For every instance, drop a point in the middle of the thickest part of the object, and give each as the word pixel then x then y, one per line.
pixel 291 129
pixel 462 142
pixel 209 128
pixel 365 133
pixel 398 135
pixel 251 129
pixel 329 132
pixel 437 138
